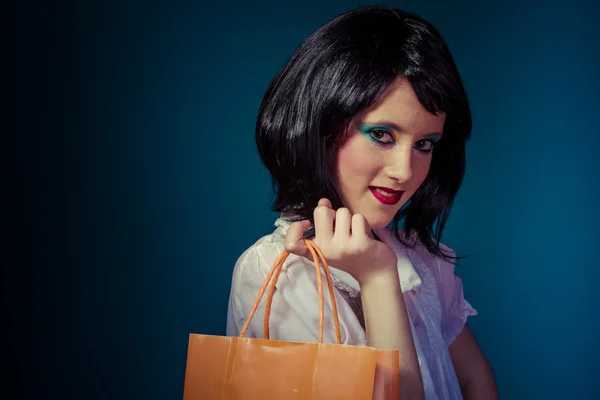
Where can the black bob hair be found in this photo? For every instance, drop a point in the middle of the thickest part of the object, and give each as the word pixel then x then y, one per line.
pixel 336 73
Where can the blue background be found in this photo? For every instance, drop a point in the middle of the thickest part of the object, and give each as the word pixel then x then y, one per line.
pixel 135 185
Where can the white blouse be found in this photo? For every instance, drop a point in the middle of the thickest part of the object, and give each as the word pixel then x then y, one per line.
pixel 433 295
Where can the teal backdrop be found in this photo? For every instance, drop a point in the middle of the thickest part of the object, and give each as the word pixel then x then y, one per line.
pixel 136 185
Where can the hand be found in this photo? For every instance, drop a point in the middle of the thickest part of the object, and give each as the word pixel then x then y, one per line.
pixel 346 242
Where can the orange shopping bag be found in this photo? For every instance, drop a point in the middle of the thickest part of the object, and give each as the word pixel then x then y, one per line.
pixel 239 368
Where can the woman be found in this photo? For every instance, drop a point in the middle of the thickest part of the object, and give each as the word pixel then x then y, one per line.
pixel 364 132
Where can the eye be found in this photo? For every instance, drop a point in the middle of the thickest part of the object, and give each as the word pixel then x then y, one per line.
pixel 381 136
pixel 424 145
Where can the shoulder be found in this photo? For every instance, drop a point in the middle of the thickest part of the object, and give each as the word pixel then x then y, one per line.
pixel 260 256
pixel 254 264
pixel 294 311
pixel 449 285
pixel 437 264
pixel 441 271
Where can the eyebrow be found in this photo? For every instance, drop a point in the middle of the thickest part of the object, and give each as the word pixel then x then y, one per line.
pixel 389 125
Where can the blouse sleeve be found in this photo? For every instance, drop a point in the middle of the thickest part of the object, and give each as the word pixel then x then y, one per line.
pixel 456 309
pixel 295 308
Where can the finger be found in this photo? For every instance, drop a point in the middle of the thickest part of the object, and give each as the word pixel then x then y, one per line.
pixel 343 223
pixel 324 218
pixel 325 203
pixel 360 227
pixel 294 242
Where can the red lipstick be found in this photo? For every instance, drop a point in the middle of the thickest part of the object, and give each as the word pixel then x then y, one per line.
pixel 386 195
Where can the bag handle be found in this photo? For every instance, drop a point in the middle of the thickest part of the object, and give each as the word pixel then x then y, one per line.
pixel 319 259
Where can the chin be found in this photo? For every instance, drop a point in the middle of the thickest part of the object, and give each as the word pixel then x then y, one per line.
pixel 379 221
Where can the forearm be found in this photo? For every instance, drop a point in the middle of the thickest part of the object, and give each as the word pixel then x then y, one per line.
pixel 480 392
pixel 484 387
pixel 388 328
pixel 472 368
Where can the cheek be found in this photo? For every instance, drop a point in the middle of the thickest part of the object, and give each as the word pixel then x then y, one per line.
pixel 421 169
pixel 355 163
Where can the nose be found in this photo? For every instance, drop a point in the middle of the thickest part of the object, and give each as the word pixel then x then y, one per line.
pixel 399 165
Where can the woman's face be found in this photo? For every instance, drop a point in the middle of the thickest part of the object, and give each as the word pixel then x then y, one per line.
pixel 386 154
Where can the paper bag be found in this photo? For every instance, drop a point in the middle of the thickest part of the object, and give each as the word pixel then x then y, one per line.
pixel 239 368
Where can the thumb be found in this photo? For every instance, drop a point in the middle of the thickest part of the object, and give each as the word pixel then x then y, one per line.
pixel 294 240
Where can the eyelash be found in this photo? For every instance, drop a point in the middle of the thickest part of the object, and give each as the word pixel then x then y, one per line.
pixel 384 132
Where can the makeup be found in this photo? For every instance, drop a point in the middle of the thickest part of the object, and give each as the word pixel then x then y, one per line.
pixel 386 195
pixel 386 130
pixel 429 141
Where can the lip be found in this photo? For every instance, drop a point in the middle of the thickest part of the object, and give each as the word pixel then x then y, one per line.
pixel 392 197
